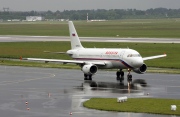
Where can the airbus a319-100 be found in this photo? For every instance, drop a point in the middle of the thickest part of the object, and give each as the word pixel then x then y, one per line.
pixel 92 59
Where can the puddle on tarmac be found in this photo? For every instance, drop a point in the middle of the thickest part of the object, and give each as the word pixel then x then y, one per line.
pixel 136 86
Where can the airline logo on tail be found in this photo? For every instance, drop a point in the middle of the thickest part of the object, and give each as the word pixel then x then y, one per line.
pixel 73 34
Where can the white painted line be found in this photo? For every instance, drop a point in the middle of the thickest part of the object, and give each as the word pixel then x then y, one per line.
pixel 118 41
pixel 5 37
pixel 38 36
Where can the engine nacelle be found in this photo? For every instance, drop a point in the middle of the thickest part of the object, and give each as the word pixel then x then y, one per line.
pixel 141 70
pixel 89 69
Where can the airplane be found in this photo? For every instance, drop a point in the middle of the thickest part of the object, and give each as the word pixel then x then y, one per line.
pixel 92 59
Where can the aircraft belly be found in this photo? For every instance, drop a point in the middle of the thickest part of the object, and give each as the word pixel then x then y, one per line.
pixel 112 64
pixel 118 64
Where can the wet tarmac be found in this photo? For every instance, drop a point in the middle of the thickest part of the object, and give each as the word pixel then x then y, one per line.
pixel 45 92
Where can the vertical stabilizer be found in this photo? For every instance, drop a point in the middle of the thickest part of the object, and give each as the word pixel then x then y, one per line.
pixel 75 42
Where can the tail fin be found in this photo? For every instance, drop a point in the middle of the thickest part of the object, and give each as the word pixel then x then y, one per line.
pixel 75 42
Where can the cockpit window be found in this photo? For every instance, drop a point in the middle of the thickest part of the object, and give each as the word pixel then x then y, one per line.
pixel 133 55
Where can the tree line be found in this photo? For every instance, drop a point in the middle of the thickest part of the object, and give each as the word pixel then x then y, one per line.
pixel 112 14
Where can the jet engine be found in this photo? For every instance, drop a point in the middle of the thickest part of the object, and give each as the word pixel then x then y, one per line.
pixel 141 70
pixel 89 69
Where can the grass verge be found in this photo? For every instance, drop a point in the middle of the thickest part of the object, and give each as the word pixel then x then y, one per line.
pixel 162 28
pixel 37 64
pixel 136 105
pixel 16 62
pixel 35 50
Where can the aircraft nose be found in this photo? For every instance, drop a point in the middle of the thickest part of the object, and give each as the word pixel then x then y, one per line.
pixel 138 63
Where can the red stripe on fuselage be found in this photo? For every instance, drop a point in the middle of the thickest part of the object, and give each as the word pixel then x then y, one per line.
pixel 123 62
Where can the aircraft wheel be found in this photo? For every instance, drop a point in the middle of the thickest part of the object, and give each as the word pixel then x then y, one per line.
pixel 85 77
pixel 122 79
pixel 122 74
pixel 129 78
pixel 90 77
pixel 118 73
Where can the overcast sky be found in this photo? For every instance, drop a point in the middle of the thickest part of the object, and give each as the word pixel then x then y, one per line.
pixel 54 5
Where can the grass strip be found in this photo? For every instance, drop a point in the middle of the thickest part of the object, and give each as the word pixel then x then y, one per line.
pixel 35 50
pixel 17 62
pixel 37 64
pixel 136 105
pixel 162 28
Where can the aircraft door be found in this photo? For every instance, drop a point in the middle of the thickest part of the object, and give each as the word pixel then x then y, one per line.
pixel 76 55
pixel 101 55
pixel 121 54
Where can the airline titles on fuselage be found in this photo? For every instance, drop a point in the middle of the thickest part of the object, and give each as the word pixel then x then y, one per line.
pixel 111 52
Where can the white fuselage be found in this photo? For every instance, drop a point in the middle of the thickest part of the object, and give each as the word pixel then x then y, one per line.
pixel 113 58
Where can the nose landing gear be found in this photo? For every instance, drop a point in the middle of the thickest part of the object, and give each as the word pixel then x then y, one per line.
pixel 129 77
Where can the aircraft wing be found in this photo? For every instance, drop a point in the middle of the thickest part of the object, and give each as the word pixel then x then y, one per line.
pixel 154 57
pixel 66 61
pixel 55 52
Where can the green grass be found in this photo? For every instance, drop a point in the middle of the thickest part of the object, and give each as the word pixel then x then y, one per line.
pixel 35 49
pixel 137 105
pixel 18 62
pixel 37 64
pixel 124 28
pixel 34 29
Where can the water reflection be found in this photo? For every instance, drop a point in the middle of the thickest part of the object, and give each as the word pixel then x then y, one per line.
pixel 110 90
pixel 115 87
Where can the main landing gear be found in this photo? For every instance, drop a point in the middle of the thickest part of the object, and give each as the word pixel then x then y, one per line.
pixel 120 76
pixel 87 77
